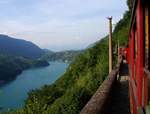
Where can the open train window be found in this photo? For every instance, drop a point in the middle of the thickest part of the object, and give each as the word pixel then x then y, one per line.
pixel 135 40
pixel 147 41
pixel 135 48
pixel 147 44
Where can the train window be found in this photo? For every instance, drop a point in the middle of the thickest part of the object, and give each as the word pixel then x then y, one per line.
pixel 147 49
pixel 135 40
pixel 147 44
pixel 135 50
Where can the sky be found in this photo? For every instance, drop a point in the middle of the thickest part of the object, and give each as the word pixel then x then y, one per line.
pixel 59 24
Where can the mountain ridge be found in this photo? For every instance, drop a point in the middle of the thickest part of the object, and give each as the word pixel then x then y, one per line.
pixel 19 47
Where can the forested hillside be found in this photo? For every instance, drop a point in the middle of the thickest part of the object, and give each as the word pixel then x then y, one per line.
pixel 70 93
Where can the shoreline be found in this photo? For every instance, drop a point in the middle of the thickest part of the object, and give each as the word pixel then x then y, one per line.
pixel 5 82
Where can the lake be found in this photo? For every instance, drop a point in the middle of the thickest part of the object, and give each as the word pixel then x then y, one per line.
pixel 12 95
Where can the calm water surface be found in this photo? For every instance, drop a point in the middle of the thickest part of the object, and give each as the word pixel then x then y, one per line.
pixel 12 95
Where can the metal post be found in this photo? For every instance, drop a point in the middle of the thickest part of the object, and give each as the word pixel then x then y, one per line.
pixel 110 44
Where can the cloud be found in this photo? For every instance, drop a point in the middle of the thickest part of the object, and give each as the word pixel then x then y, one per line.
pixel 59 24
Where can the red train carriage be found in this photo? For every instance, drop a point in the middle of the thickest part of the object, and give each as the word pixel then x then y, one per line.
pixel 138 57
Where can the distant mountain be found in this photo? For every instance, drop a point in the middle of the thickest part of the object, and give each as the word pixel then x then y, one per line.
pixel 68 55
pixel 48 51
pixel 17 47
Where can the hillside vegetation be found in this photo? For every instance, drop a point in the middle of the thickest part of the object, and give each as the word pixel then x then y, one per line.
pixel 70 93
